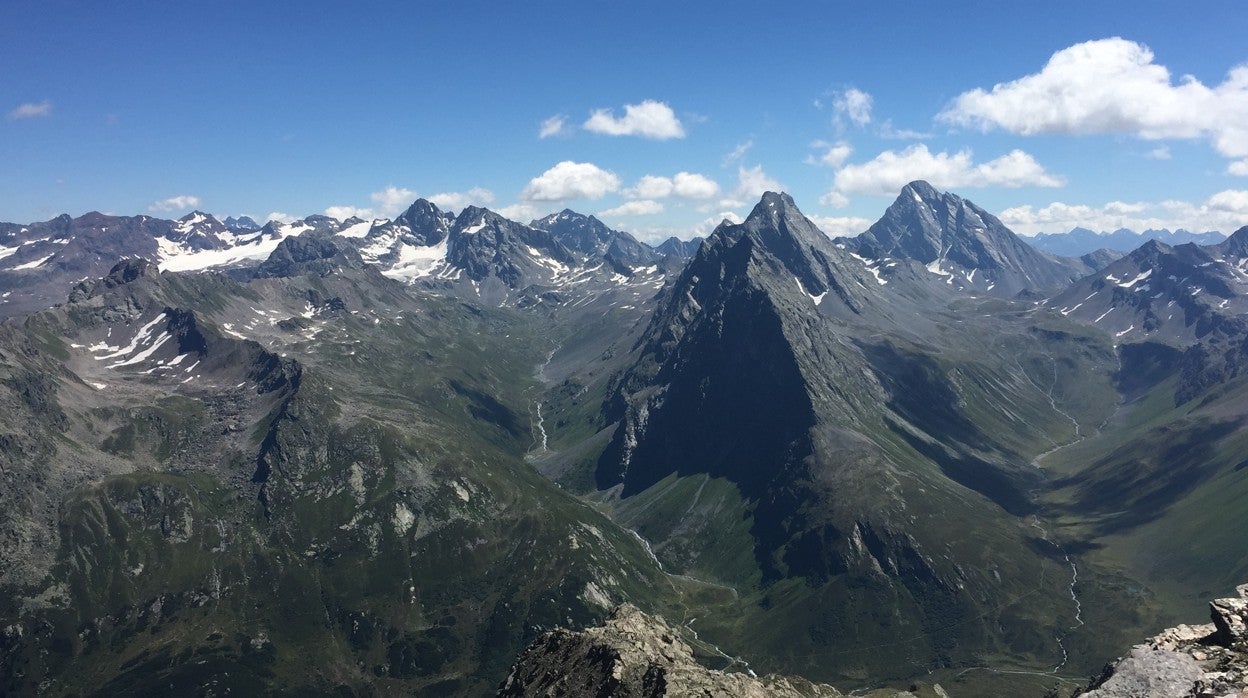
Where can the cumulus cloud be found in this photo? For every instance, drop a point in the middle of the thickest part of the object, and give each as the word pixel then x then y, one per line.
pixel 1112 86
pixel 556 125
pixel 752 182
pixel 342 213
pixel 642 207
pixel 833 155
pixel 690 185
pixel 650 119
pixel 686 185
pixel 571 180
pixel 521 212
pixel 853 104
pixel 1226 211
pixel 891 170
pixel 841 227
pixel 392 200
pixel 175 203
pixel 31 110
pixel 279 217
pixel 1230 201
pixel 835 199
pixel 709 224
pixel 1238 168
pixel 459 200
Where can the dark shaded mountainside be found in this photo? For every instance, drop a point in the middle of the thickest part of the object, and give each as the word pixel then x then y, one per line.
pixel 389 455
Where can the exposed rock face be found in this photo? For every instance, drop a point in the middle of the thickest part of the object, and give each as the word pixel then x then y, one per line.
pixel 964 245
pixel 1186 661
pixel 636 655
pixel 1230 617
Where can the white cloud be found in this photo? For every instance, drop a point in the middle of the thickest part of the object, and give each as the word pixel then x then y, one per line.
pixel 1112 86
pixel 342 213
pixel 835 199
pixel 737 154
pixel 571 180
pixel 889 171
pixel 280 217
pixel 752 182
pixel 175 203
pixel 1158 153
pixel 521 212
pixel 1226 211
pixel 657 234
pixel 853 104
pixel 1238 168
pixel 690 185
pixel 31 110
pixel 841 227
pixel 642 207
pixel 686 185
pixel 457 200
pixel 834 154
pixel 1230 201
pixel 554 126
pixel 392 200
pixel 650 187
pixel 650 119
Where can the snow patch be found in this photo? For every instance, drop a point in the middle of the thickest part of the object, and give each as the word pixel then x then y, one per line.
pixel 37 262
pixel 1143 275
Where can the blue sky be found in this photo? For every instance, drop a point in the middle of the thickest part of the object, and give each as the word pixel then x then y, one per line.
pixel 662 117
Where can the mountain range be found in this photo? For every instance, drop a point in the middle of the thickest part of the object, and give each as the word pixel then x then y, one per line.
pixel 1081 241
pixel 385 456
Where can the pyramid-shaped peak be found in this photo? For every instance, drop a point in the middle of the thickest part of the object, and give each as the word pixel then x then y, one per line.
pixel 477 213
pixel 422 207
pixel 777 199
pixel 920 189
pixel 771 208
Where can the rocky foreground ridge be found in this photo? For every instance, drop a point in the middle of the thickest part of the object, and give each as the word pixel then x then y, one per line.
pixel 1188 661
pixel 636 655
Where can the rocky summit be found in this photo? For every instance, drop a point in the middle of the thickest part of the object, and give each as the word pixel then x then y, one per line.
pixel 636 655
pixel 1187 661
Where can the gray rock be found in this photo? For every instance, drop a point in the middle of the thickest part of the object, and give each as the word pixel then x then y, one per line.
pixel 1230 616
pixel 638 655
pixel 1150 673
pixel 1201 661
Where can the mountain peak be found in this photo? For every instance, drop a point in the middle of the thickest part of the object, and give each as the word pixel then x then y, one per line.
pixel 421 207
pixel 771 210
pixel 962 244
pixel 129 270
pixel 921 189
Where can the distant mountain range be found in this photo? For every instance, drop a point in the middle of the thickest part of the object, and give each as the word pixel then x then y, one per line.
pixel 1081 241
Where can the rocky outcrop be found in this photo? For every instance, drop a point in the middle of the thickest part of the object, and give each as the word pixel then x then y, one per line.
pixel 635 655
pixel 1200 661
